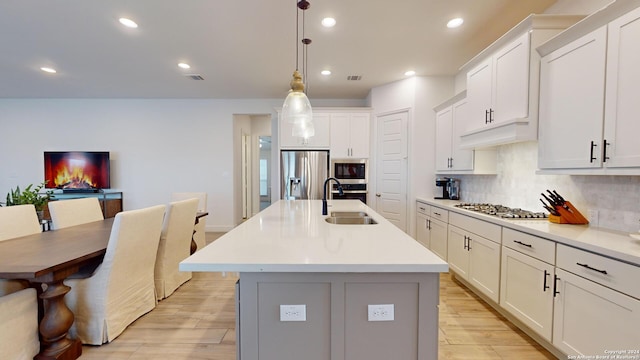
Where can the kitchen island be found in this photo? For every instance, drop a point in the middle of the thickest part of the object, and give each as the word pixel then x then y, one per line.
pixel 310 289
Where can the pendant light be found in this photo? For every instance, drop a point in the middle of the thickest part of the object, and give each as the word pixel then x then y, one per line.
pixel 296 108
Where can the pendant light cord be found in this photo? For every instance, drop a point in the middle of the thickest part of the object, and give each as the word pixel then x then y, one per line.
pixel 297 36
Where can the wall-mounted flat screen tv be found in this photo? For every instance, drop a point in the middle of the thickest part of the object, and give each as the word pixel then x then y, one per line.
pixel 77 170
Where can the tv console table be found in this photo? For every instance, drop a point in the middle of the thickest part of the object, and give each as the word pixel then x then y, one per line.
pixel 110 201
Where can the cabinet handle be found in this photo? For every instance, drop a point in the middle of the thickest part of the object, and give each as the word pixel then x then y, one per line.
pixel 491 115
pixel 604 151
pixel 521 243
pixel 421 208
pixel 437 213
pixel 468 243
pixel 590 268
pixel 591 157
pixel 544 285
pixel 429 224
pixel 464 244
pixel 486 116
pixel 555 285
pixel 451 163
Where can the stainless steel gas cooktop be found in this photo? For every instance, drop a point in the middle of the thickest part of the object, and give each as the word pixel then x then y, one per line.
pixel 502 211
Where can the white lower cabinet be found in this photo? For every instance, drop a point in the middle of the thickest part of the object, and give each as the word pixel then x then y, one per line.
pixel 474 257
pixel 591 319
pixel 431 228
pixel 526 290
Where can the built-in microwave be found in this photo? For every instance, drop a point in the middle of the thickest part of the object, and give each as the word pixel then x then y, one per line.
pixel 350 171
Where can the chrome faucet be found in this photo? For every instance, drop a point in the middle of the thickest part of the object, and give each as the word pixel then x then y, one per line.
pixel 324 193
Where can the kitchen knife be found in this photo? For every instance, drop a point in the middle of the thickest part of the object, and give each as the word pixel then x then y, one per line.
pixel 559 200
pixel 553 204
pixel 549 208
pixel 559 197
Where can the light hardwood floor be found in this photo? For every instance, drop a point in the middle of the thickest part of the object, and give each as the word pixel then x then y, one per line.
pixel 198 322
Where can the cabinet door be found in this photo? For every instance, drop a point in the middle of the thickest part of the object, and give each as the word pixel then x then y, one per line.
pixel 444 119
pixel 340 135
pixel 359 135
pixel 438 238
pixel 484 265
pixel 422 229
pixel 526 290
pixel 572 104
pixel 623 85
pixel 590 318
pixel 461 159
pixel 511 81
pixel 479 94
pixel 457 253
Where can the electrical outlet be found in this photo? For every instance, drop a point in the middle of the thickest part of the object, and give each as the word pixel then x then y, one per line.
pixel 293 312
pixel 593 217
pixel 381 312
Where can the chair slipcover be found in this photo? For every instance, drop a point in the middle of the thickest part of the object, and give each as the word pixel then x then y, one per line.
pixel 65 213
pixel 175 246
pixel 122 288
pixel 17 221
pixel 200 228
pixel 19 330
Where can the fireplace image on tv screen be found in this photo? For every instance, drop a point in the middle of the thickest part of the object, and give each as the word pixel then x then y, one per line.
pixel 77 170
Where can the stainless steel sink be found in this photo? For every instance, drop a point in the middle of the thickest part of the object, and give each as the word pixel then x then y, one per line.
pixel 351 220
pixel 348 214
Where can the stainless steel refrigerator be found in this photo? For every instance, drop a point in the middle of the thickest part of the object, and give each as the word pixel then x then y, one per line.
pixel 302 173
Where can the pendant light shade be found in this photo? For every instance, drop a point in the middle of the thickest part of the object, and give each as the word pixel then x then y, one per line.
pixel 296 109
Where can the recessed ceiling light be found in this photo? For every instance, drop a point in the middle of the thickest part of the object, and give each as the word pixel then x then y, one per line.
pixel 48 69
pixel 325 72
pixel 328 22
pixel 454 23
pixel 409 73
pixel 128 23
pixel 184 66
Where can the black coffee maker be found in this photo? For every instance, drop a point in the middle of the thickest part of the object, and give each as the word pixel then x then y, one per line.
pixel 444 184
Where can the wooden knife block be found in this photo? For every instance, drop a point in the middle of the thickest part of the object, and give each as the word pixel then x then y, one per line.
pixel 570 216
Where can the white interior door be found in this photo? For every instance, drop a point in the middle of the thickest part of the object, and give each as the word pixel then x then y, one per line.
pixel 391 165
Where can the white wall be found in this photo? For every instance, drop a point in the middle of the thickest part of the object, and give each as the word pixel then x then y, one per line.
pixel 158 146
pixel 418 96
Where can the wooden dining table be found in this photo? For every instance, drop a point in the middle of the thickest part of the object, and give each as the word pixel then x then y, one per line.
pixel 49 258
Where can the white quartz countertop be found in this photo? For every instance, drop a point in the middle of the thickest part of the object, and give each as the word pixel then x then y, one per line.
pixel 293 236
pixel 615 244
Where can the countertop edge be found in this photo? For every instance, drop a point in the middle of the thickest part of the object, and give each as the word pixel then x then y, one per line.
pixel 315 268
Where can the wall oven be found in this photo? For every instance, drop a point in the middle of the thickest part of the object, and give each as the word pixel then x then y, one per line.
pixel 353 174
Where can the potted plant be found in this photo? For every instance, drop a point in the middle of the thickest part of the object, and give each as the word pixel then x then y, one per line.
pixel 30 195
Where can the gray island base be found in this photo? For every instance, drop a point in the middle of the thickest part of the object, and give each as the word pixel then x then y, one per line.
pixel 310 289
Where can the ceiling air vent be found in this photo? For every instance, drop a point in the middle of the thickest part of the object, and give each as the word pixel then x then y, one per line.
pixel 354 77
pixel 194 77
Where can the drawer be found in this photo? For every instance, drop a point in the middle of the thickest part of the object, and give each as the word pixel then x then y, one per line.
pixel 485 229
pixel 603 270
pixel 440 214
pixel 423 208
pixel 537 247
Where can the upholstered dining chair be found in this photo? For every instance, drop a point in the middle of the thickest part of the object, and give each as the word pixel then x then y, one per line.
pixel 175 246
pixel 199 236
pixel 65 213
pixel 19 331
pixel 17 221
pixel 122 288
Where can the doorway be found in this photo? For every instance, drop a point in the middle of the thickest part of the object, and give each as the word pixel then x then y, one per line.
pixel 264 168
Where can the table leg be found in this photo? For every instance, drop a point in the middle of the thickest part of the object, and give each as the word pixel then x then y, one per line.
pixel 55 325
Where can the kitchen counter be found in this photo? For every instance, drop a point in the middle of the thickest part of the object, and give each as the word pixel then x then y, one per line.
pixel 615 244
pixel 309 289
pixel 292 236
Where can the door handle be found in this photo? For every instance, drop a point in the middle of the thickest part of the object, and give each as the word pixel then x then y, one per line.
pixel 555 285
pixel 378 195
pixel 604 151
pixel 591 157
pixel 544 285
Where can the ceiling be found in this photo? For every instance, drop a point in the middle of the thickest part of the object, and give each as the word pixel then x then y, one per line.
pixel 243 49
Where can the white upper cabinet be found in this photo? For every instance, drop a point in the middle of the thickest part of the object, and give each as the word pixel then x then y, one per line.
pixel 451 122
pixel 571 104
pixel 502 84
pixel 350 134
pixel 590 79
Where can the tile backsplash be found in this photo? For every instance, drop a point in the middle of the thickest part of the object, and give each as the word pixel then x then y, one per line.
pixel 615 198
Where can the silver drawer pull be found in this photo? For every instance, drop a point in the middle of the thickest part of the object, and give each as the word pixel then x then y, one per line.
pixel 590 268
pixel 521 243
